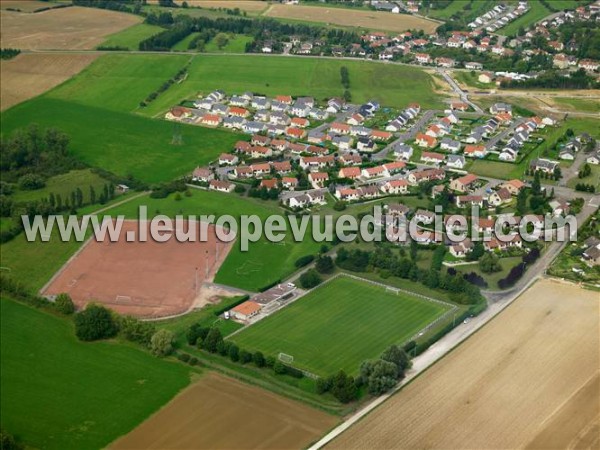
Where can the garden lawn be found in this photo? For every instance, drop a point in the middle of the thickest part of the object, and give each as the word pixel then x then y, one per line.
pixel 59 393
pixel 491 278
pixel 131 37
pixel 264 263
pixel 339 325
pixel 237 44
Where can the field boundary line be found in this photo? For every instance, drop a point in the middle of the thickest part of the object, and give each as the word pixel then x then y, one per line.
pixel 64 266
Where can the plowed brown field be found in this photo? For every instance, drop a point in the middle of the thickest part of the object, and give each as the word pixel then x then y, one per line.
pixel 222 413
pixel 347 17
pixel 530 378
pixel 29 75
pixel 65 28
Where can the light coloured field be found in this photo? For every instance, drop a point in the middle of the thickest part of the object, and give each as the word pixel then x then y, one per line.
pixel 222 413
pixel 352 18
pixel 65 28
pixel 253 6
pixel 27 6
pixel 29 75
pixel 530 378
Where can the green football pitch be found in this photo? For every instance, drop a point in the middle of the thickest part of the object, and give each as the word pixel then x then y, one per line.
pixel 339 325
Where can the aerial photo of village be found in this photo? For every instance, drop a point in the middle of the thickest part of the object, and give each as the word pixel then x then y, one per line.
pixel 299 224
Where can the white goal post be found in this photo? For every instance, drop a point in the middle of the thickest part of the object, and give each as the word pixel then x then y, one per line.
pixel 392 289
pixel 285 358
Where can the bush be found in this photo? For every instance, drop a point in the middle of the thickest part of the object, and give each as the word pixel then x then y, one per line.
pixel 245 356
pixel 161 343
pixel 64 304
pixel 135 330
pixel 324 264
pixel 184 357
pixel 339 206
pixel 279 367
pixel 193 361
pixel 259 359
pixel 95 322
pixel 31 182
pixel 304 260
pixel 310 279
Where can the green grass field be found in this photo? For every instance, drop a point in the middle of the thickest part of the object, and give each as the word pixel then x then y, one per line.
pixel 579 104
pixel 537 11
pixel 59 393
pixel 64 184
pixel 339 325
pixel 131 37
pixel 459 8
pixel 491 278
pixel 237 44
pixel 392 85
pixel 264 262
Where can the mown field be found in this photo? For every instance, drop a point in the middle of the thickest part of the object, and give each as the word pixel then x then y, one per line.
pixel 59 393
pixel 264 262
pixel 131 37
pixel 339 325
pixel 392 85
pixel 97 110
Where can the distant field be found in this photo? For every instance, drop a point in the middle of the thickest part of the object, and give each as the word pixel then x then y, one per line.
pixel 251 6
pixel 29 75
pixel 578 104
pixel 504 387
pixel 59 393
pixel 349 17
pixel 63 185
pixel 392 85
pixel 460 9
pixel 103 97
pixel 28 6
pixel 537 11
pixel 65 28
pixel 339 325
pixel 201 417
pixel 131 37
pixel 262 264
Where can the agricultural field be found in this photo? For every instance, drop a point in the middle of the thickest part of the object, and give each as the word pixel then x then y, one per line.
pixel 105 96
pixel 481 395
pixel 466 9
pixel 331 328
pixel 578 104
pixel 74 28
pixel 356 18
pixel 202 417
pixel 392 85
pixel 264 262
pixel 63 185
pixel 130 38
pixel 56 390
pixel 250 6
pixel 29 6
pixel 29 75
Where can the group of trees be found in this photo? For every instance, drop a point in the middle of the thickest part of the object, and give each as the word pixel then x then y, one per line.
pixel 552 79
pixel 383 374
pixel 584 187
pixel 211 340
pixel 163 87
pixel 518 271
pixel 345 79
pixel 585 171
pixel 9 53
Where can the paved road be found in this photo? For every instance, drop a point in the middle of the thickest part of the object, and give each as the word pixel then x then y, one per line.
pixel 489 145
pixel 456 88
pixel 408 135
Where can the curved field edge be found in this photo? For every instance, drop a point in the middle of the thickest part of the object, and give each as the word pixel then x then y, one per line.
pixel 105 389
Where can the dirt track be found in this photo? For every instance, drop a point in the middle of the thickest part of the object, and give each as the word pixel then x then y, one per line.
pixel 374 20
pixel 29 75
pixel 528 379
pixel 144 279
pixel 75 28
pixel 222 413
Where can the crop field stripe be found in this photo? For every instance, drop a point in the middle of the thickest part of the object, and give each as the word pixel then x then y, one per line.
pixel 340 324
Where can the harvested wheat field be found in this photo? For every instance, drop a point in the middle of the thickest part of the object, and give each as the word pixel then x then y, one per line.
pixel 27 6
pixel 352 18
pixel 29 75
pixel 528 379
pixel 221 413
pixel 252 6
pixel 74 28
